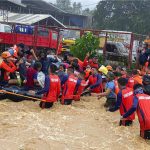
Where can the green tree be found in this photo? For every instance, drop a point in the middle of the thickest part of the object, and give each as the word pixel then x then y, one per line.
pixel 123 15
pixel 77 8
pixel 88 43
pixel 86 12
pixel 74 7
pixel 64 5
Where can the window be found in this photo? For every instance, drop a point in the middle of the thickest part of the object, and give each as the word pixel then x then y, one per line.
pixel 109 48
pixel 43 32
pixel 7 29
pixel 54 36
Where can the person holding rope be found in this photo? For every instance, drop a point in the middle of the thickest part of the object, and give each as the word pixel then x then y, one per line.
pixel 51 90
pixel 124 102
pixel 69 85
pixel 109 92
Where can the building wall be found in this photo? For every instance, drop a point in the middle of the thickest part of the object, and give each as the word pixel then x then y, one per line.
pixel 33 8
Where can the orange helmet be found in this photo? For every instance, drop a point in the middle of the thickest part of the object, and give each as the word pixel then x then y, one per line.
pixel 109 68
pixel 5 54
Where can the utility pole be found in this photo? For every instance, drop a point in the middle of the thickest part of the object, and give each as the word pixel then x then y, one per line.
pixel 4 14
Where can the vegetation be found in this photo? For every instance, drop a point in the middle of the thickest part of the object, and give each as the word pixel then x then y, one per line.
pixel 88 43
pixel 123 15
pixel 75 8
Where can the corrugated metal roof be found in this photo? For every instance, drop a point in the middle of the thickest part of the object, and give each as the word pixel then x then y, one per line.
pixel 28 19
pixel 17 2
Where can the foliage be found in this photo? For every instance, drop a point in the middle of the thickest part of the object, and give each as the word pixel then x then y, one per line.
pixel 123 15
pixel 64 5
pixel 88 43
pixel 75 8
pixel 101 59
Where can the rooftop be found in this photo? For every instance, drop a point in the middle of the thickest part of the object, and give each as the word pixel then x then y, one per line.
pixel 28 19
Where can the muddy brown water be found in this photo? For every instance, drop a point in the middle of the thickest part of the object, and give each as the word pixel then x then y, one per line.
pixel 83 126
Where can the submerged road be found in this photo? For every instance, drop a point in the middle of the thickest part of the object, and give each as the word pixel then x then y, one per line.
pixel 83 126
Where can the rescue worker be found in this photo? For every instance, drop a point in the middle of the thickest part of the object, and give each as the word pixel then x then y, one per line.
pixel 74 62
pixel 143 112
pixel 124 103
pixel 131 82
pixel 92 62
pixel 103 72
pixel 136 77
pixel 95 82
pixel 18 48
pixel 141 106
pixel 146 81
pixel 69 83
pixel 81 87
pixel 8 69
pixel 87 72
pixel 116 77
pixel 51 90
pixel 109 68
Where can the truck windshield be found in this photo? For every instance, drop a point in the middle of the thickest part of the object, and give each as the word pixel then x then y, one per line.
pixel 7 29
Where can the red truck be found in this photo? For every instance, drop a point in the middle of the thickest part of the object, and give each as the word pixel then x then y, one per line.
pixel 32 36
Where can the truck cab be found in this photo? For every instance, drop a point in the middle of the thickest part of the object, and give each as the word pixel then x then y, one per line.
pixel 5 28
pixel 116 51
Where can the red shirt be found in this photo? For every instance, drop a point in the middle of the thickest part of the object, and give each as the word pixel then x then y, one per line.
pixel 31 75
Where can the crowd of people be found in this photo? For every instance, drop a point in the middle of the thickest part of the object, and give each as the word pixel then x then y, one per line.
pixel 68 78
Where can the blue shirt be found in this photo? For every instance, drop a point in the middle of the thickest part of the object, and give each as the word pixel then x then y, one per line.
pixel 111 85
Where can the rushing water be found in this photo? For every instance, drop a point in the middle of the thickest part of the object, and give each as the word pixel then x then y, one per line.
pixel 83 126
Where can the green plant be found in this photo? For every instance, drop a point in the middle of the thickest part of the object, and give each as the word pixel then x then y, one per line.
pixel 88 43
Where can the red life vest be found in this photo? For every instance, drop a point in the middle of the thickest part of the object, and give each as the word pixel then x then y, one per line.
pixel 80 63
pixel 6 69
pixel 93 65
pixel 69 88
pixel 127 102
pixel 130 83
pixel 143 111
pixel 116 87
pixel 54 90
pixel 80 90
pixel 92 81
pixel 90 62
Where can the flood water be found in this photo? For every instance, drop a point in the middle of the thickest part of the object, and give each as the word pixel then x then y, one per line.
pixel 83 126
